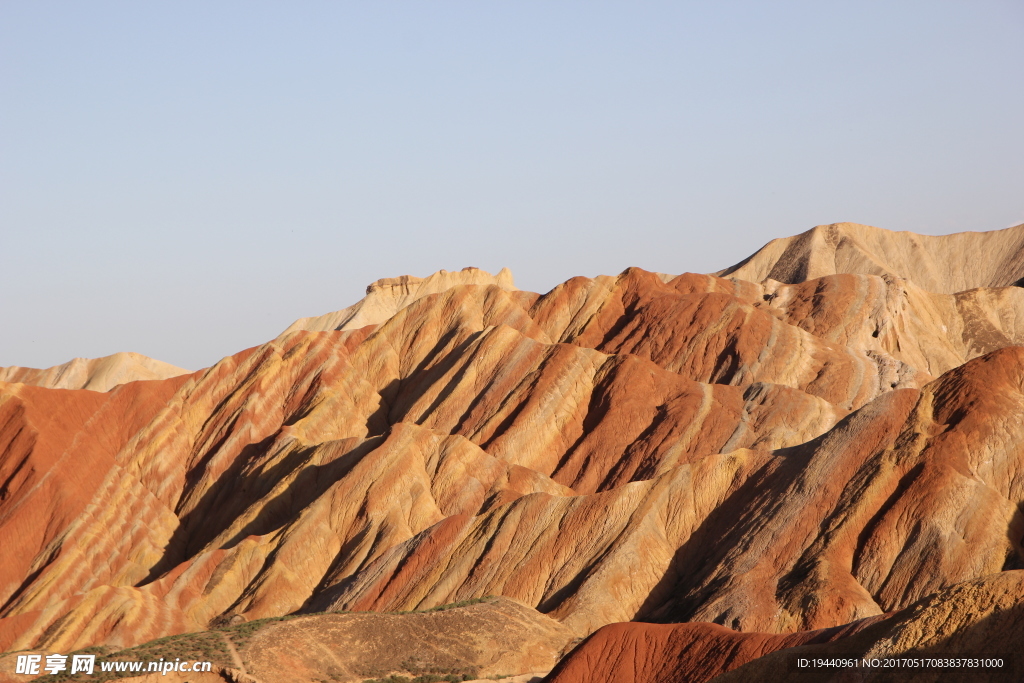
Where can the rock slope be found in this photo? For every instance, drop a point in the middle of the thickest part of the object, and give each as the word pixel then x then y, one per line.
pixel 982 617
pixel 768 456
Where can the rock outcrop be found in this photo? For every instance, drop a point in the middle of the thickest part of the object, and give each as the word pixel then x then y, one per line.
pixel 388 296
pixel 765 458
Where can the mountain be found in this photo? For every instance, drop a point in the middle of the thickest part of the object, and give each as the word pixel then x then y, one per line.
pixel 943 264
pixel 95 374
pixel 686 464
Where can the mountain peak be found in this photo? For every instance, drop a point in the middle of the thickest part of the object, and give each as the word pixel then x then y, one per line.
pixel 938 263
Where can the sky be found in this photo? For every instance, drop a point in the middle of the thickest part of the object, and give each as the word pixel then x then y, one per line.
pixel 185 179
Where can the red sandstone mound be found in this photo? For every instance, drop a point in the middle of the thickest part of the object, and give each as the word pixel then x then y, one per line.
pixel 755 460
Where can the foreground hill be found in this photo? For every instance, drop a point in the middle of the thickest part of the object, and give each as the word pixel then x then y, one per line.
pixel 487 638
pixel 771 457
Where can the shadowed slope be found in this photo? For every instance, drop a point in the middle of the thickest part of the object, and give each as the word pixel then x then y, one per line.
pixel 975 618
pixel 978 618
pixel 911 494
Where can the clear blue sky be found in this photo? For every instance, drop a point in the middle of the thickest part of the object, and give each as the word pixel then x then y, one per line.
pixel 184 179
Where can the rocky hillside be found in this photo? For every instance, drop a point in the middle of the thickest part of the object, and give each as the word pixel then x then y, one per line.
pixel 815 439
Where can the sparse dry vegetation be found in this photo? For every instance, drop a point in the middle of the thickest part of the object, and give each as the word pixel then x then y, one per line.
pixel 210 646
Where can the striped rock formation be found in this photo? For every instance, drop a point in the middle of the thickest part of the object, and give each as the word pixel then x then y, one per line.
pixel 982 617
pixel 774 456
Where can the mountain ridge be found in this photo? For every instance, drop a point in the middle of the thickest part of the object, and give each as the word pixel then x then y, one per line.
pixel 944 264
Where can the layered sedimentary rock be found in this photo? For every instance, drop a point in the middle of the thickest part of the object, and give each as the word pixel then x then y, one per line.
pixel 887 316
pixel 95 374
pixel 635 652
pixel 766 456
pixel 57 447
pixel 854 523
pixel 982 617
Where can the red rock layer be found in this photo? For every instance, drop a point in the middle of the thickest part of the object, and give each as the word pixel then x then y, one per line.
pixel 981 618
pixel 679 653
pixel 57 447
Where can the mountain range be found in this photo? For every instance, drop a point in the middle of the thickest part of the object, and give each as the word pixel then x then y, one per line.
pixel 654 477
